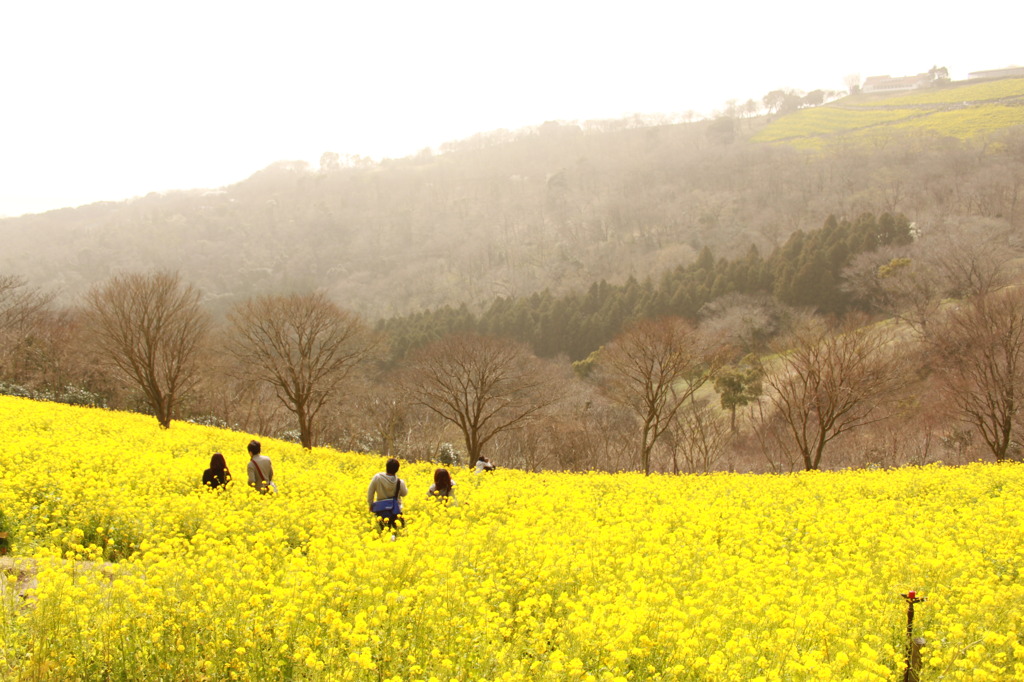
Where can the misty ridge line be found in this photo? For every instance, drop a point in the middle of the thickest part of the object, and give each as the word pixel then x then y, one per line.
pixel 508 215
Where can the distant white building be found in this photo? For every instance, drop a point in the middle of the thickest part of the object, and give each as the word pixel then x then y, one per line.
pixel 1008 72
pixel 891 84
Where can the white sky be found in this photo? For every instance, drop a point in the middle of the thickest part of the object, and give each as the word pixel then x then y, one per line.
pixel 106 100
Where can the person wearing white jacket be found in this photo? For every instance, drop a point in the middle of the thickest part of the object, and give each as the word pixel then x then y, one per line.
pixel 387 485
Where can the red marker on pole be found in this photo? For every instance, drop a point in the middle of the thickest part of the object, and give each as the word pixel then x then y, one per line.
pixel 911 675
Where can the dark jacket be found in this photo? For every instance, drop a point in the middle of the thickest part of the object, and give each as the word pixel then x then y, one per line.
pixel 216 479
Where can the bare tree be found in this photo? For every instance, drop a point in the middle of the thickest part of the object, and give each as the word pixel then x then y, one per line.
pixel 589 432
pixel 53 356
pixel 483 385
pixel 828 380
pixel 898 282
pixel 303 345
pixel 975 259
pixel 528 447
pixel 910 282
pixel 19 302
pixel 982 352
pixel 384 412
pixel 745 323
pixel 771 438
pixel 22 310
pixel 241 402
pixel 653 368
pixel 562 438
pixel 699 437
pixel 150 329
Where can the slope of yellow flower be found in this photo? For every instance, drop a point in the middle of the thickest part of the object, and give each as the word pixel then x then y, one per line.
pixel 961 110
pixel 531 577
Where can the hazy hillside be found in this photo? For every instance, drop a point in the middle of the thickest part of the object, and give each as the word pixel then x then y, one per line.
pixel 556 207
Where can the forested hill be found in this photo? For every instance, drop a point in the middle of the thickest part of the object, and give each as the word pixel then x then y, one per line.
pixel 804 272
pixel 509 215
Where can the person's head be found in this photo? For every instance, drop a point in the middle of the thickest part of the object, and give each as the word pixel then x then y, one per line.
pixel 391 467
pixel 442 480
pixel 217 462
pixel 254 448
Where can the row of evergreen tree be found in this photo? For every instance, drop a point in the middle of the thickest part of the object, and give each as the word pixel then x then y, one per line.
pixel 804 272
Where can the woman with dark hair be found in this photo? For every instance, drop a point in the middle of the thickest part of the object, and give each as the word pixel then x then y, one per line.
pixel 443 487
pixel 217 475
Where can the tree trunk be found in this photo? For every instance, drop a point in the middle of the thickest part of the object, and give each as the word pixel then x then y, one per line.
pixel 645 451
pixel 163 408
pixel 305 430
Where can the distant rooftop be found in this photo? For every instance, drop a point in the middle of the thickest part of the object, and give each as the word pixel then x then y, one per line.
pixel 1008 72
pixel 890 84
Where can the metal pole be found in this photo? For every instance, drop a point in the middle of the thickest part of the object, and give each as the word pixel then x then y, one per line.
pixel 912 599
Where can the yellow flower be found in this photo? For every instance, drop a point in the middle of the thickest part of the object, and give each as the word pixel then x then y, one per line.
pixel 741 577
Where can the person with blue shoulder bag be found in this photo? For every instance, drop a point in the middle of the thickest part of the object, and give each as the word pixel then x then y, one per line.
pixel 384 496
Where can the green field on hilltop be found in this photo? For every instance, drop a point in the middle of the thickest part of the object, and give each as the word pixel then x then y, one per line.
pixel 952 94
pixel 960 111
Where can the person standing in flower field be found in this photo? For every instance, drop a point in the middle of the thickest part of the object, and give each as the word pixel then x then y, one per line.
pixel 260 470
pixel 384 495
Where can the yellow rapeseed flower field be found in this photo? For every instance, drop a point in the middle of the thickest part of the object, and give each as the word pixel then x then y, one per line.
pixel 962 110
pixel 143 575
pixel 962 91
